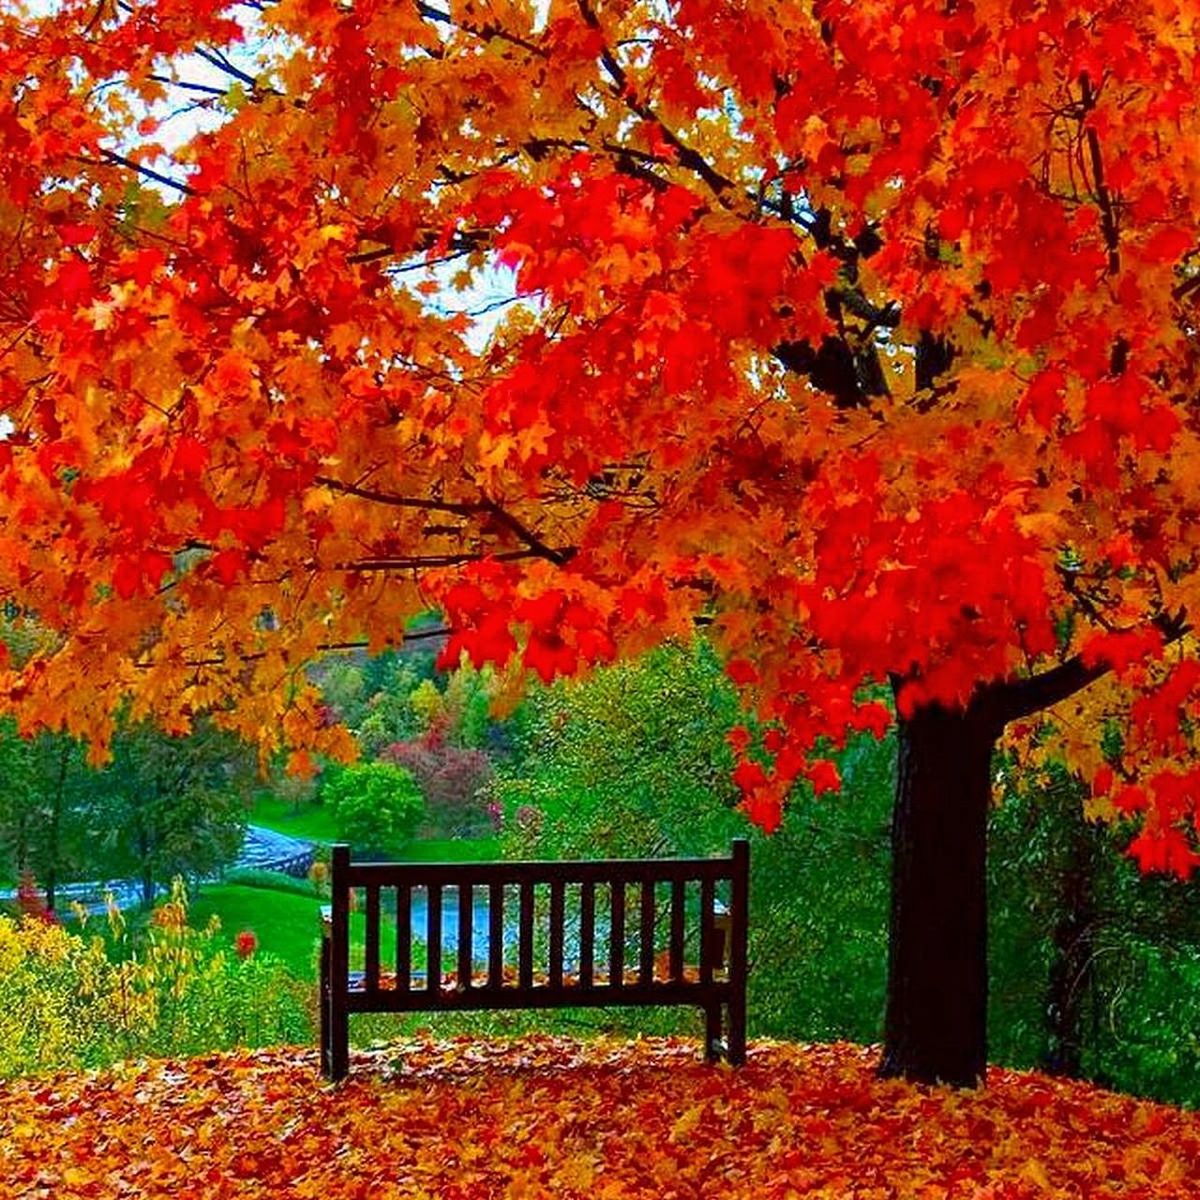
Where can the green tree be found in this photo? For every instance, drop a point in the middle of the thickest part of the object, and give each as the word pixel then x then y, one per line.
pixel 171 806
pixel 377 806
pixel 43 815
pixel 630 761
pixel 343 685
pixel 17 817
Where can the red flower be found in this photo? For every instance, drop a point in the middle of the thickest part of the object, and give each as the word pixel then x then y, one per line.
pixel 245 943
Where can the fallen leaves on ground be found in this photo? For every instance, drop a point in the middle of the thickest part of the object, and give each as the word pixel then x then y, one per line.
pixel 472 1118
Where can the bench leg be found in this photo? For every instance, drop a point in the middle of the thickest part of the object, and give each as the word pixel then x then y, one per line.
pixel 323 1011
pixel 712 1032
pixel 335 1023
pixel 339 1041
pixel 737 1031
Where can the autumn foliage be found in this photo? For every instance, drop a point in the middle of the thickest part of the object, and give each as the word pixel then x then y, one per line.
pixel 85 996
pixel 549 1117
pixel 864 334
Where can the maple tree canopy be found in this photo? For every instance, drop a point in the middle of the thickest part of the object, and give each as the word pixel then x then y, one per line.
pixel 865 333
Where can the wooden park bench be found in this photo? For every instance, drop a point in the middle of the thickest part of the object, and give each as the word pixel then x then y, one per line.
pixel 702 902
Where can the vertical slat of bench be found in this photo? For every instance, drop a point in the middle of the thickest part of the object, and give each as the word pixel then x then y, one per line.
pixel 587 933
pixel 706 929
pixel 646 936
pixel 403 937
pixel 739 903
pixel 326 1064
pixel 433 939
pixel 371 940
pixel 496 935
pixel 677 928
pixel 616 937
pixel 525 936
pixel 466 920
pixel 339 964
pixel 554 969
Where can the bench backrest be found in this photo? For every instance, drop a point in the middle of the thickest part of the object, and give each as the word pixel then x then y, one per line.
pixel 572 934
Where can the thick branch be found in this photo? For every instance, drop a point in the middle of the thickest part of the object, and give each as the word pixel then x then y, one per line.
pixel 485 507
pixel 1024 697
pixel 1020 698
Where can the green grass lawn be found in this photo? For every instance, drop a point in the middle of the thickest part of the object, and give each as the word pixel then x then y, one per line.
pixel 286 924
pixel 451 850
pixel 313 822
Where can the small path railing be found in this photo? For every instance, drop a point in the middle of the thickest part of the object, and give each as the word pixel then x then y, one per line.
pixel 587 933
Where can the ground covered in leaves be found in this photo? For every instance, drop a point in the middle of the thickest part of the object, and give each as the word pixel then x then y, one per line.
pixel 470 1119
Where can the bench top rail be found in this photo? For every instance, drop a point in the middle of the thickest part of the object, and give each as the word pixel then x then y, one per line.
pixel 615 870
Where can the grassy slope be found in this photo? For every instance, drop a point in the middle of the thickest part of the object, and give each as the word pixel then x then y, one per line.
pixel 558 1119
pixel 286 924
pixel 451 850
pixel 314 822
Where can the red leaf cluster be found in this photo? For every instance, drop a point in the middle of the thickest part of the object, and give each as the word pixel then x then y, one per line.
pixel 863 334
pixel 555 1119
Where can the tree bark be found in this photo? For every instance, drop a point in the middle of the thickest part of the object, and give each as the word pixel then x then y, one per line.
pixel 56 807
pixel 1071 972
pixel 935 1028
pixel 143 843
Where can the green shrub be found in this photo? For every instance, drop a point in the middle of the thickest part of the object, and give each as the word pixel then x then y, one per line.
pixel 79 1000
pixel 274 881
pixel 376 806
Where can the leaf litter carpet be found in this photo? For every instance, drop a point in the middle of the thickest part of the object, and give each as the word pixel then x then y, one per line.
pixel 476 1119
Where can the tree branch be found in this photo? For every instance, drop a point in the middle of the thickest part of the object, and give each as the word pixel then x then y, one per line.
pixel 324 648
pixel 110 156
pixel 1108 222
pixel 559 558
pixel 485 507
pixel 693 160
pixel 1023 697
pixel 395 501
pixel 486 32
pixel 416 562
pixel 205 88
pixel 461 243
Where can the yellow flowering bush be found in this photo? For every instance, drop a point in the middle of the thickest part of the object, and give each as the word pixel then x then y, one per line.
pixel 79 999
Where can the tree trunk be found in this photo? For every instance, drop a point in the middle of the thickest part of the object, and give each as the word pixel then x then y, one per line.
pixel 935 1029
pixel 21 852
pixel 56 807
pixel 143 845
pixel 1071 972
